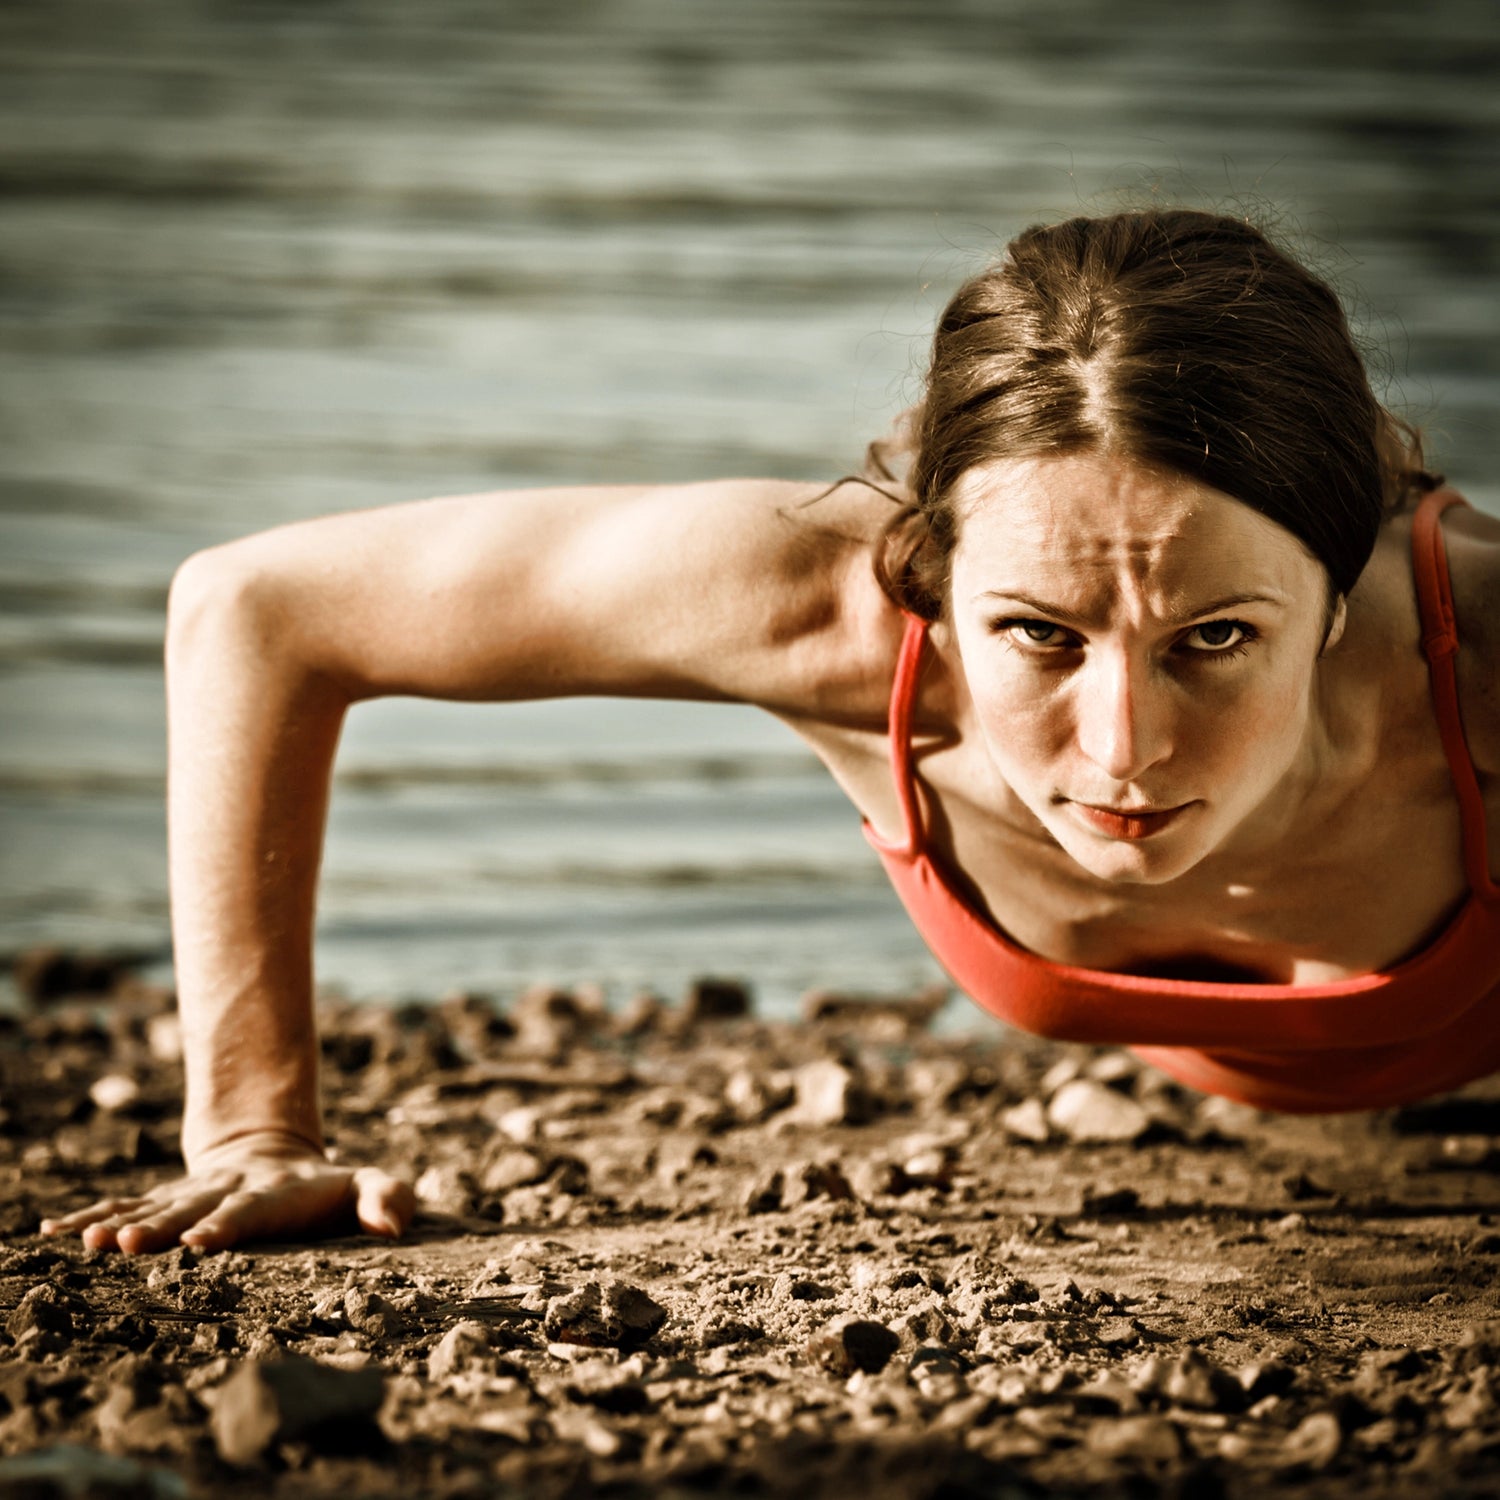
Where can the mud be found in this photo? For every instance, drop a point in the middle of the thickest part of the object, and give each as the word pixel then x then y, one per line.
pixel 679 1250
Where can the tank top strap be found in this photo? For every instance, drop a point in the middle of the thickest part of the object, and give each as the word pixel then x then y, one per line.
pixel 1440 646
pixel 903 701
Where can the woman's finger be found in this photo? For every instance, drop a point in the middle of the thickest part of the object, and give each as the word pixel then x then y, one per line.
pixel 161 1224
pixel 105 1208
pixel 383 1204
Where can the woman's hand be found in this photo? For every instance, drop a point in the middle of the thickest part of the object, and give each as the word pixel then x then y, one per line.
pixel 254 1187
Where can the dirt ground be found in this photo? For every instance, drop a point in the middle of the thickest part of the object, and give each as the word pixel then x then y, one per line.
pixel 683 1251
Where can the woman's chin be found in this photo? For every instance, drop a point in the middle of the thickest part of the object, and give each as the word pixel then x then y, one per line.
pixel 1131 862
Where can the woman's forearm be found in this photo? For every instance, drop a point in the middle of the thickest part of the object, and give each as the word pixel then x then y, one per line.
pixel 252 735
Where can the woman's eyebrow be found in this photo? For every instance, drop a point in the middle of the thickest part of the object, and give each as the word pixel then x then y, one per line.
pixel 1066 616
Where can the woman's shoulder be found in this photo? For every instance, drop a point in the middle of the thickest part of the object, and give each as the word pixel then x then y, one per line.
pixel 756 591
pixel 837 632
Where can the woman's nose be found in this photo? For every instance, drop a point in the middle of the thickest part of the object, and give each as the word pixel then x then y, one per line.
pixel 1124 717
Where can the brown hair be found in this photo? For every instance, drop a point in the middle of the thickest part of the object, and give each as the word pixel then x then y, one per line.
pixel 1181 339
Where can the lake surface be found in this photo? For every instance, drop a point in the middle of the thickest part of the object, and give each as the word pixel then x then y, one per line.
pixel 263 262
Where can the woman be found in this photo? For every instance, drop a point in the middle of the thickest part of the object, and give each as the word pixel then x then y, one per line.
pixel 1150 720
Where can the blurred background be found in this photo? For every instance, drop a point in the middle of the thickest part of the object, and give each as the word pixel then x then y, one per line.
pixel 262 261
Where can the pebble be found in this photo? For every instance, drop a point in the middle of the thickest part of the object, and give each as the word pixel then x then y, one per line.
pixel 753 1096
pixel 1150 1439
pixel 849 1344
pixel 114 1091
pixel 1194 1380
pixel 680 1154
pixel 447 1189
pixel 828 1093
pixel 1064 1070
pixel 370 1314
pixel 935 1083
pixel 1313 1444
pixel 1027 1121
pixel 764 1196
pixel 45 1316
pixel 464 1345
pixel 609 1315
pixel 1265 1377
pixel 810 1180
pixel 1092 1113
pixel 880 1178
pixel 290 1399
pixel 511 1168
pixel 936 1374
pixel 715 1000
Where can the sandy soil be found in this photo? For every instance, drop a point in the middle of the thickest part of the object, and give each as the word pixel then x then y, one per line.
pixel 682 1251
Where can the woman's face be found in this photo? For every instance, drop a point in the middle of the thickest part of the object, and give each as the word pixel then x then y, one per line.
pixel 1139 650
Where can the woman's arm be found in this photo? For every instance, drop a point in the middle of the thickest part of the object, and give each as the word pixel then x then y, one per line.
pixel 712 591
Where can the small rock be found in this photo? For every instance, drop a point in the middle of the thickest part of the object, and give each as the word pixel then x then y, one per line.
pixel 114 1091
pixel 1027 1121
pixel 715 1000
pixel 641 1014
pixel 1313 1444
pixel 1300 1187
pixel 1265 1377
pixel 880 1178
pixel 370 1314
pixel 549 1021
pixel 1112 1068
pixel 936 1374
pixel 1090 1113
pixel 1106 1393
pixel 937 1082
pixel 850 1344
pixel 512 1168
pixel 810 1180
pixel 1150 1439
pixel 828 1093
pixel 464 1345
pixel 765 1192
pixel 680 1154
pixel 753 1096
pixel 1064 1070
pixel 47 1313
pixel 1111 1202
pixel 1293 1223
pixel 612 1315
pixel 1473 1403
pixel 928 1168
pixel 290 1399
pixel 1196 1381
pixel 447 1190
pixel 1118 1333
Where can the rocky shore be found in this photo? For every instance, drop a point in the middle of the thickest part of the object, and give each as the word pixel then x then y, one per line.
pixel 679 1250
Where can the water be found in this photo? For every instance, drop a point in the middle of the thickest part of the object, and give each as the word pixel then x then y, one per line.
pixel 262 262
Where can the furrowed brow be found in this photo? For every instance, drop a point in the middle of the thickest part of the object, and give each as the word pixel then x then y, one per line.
pixel 1065 616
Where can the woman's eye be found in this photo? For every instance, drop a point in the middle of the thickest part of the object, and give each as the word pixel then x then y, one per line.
pixel 1035 632
pixel 1218 635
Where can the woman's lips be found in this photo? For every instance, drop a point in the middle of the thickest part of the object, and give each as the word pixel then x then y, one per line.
pixel 1128 823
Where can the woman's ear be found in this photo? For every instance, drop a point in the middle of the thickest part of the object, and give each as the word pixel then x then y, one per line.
pixel 1339 617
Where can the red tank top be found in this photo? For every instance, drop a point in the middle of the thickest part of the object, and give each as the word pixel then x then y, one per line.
pixel 1428 1024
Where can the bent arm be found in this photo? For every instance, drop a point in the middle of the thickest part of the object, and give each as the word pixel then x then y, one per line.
pixel 711 591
